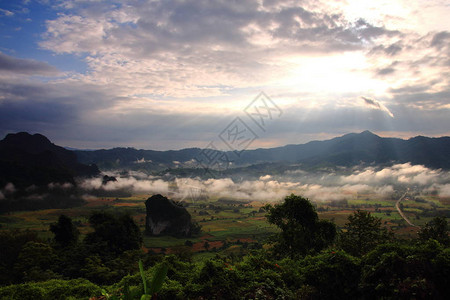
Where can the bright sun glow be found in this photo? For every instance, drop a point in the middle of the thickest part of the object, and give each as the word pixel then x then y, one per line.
pixel 324 74
pixel 183 68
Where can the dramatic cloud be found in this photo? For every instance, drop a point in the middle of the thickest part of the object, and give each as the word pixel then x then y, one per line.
pixel 173 74
pixel 322 185
pixel 376 105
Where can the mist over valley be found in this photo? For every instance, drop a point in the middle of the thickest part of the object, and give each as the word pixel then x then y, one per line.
pixel 217 149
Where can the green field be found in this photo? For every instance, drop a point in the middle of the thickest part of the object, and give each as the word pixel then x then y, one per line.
pixel 228 224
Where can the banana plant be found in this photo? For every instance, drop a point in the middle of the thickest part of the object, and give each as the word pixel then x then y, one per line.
pixel 157 281
pixel 150 289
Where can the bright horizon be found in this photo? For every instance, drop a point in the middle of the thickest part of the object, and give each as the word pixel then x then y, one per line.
pixel 225 149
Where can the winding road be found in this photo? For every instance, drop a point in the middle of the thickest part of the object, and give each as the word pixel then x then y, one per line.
pixel 397 206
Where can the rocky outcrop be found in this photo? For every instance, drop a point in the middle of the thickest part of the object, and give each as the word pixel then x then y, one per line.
pixel 165 217
pixel 107 179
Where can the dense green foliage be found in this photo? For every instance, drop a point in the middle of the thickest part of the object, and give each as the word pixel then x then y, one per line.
pixel 65 231
pixel 436 229
pixel 117 233
pixel 107 254
pixel 406 271
pixel 363 233
pixel 391 271
pixel 52 289
pixel 310 266
pixel 12 242
pixel 301 230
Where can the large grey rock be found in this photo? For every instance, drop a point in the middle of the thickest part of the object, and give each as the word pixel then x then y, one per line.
pixel 165 217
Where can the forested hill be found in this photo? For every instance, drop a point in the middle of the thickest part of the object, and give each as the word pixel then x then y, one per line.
pixel 348 150
pixel 27 160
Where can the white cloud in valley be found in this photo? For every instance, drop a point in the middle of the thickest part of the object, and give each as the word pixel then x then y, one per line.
pixel 318 186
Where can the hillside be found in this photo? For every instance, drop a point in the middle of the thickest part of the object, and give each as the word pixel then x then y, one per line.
pixel 348 150
pixel 27 160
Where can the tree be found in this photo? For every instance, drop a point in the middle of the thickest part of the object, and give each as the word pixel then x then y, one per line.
pixel 36 262
pixel 195 228
pixel 363 233
pixel 206 245
pixel 437 229
pixel 401 271
pixel 65 232
pixel 301 230
pixel 330 275
pixel 118 233
pixel 184 253
pixel 12 243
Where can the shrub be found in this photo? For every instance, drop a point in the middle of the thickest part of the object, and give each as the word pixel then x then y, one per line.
pixel 53 289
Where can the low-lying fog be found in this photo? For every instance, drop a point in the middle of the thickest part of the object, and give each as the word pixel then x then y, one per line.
pixel 317 186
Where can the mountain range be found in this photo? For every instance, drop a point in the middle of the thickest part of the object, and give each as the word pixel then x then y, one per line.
pixel 27 159
pixel 347 150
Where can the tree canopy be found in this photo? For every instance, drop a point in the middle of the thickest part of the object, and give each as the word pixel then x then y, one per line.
pixel 363 233
pixel 437 229
pixel 301 230
pixel 64 230
pixel 118 232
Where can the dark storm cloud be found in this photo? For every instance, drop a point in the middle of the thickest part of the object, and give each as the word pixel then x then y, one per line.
pixel 25 66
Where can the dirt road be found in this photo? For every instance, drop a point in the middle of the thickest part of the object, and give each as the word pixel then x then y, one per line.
pixel 397 206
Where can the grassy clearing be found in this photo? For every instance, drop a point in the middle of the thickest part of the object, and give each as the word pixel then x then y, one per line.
pixel 227 221
pixel 166 241
pixel 381 202
pixel 202 256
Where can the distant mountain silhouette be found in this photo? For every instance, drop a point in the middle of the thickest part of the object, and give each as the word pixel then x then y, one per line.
pixel 348 150
pixel 365 147
pixel 131 158
pixel 27 160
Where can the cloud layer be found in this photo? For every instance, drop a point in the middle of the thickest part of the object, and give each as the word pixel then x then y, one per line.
pixel 25 66
pixel 318 186
pixel 173 74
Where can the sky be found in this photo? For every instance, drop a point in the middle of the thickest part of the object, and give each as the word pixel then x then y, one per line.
pixel 176 74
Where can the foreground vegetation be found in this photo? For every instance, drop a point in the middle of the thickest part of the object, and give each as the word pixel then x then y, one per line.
pixel 306 257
